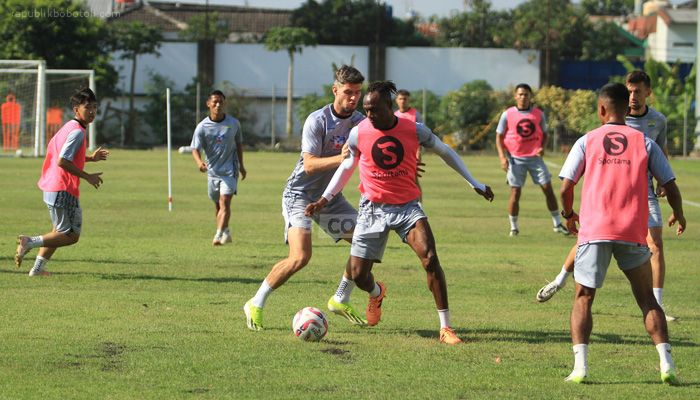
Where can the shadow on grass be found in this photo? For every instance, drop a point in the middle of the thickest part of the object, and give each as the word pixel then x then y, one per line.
pixel 539 337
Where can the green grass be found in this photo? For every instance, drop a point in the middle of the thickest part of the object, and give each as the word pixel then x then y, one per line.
pixel 144 307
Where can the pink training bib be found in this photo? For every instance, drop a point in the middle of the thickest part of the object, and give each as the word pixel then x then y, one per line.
pixel 54 178
pixel 523 136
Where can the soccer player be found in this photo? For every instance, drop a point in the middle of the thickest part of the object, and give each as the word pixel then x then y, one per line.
pixel 385 146
pixel 322 150
pixel 520 141
pixel 403 100
pixel 219 135
pixel 60 181
pixel 653 124
pixel 614 161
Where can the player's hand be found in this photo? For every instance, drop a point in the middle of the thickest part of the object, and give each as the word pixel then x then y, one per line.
pixel 681 223
pixel 420 171
pixel 94 179
pixel 315 207
pixel 487 193
pixel 243 172
pixel 571 224
pixel 504 164
pixel 203 167
pixel 540 152
pixel 660 191
pixel 345 151
pixel 100 154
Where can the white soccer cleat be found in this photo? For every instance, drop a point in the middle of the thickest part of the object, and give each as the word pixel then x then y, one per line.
pixel 514 232
pixel 547 292
pixel 561 229
pixel 669 317
pixel 217 241
pixel 577 376
pixel 226 237
pixel 22 249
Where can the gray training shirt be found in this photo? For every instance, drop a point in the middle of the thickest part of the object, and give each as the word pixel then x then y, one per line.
pixel 219 140
pixel 324 135
pixel 653 124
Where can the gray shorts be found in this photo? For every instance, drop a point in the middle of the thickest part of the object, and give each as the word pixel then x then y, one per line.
pixel 337 218
pixel 518 167
pixel 592 260
pixel 218 185
pixel 66 219
pixel 374 221
pixel 655 218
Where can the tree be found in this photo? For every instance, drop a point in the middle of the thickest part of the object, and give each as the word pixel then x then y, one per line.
pixel 466 111
pixel 29 30
pixel 607 7
pixel 134 39
pixel 205 27
pixel 293 41
pixel 480 27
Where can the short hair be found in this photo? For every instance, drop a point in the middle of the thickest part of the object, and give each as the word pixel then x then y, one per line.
pixel 523 86
pixel 385 89
pixel 403 92
pixel 216 93
pixel 616 95
pixel 638 76
pixel 348 74
pixel 82 95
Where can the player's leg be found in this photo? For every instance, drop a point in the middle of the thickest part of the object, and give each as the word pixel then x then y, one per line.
pixel 67 224
pixel 361 269
pixel 548 290
pixel 299 240
pixel 228 188
pixel 516 178
pixel 541 176
pixel 656 245
pixel 640 279
pixel 214 192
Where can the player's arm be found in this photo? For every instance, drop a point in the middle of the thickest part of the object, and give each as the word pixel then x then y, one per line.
pixel 661 141
pixel 314 164
pixel 312 147
pixel 198 160
pixel 567 205
pixel 662 172
pixel 239 153
pixel 196 145
pixel 570 173
pixel 500 145
pixel 98 155
pixel 543 145
pixel 70 148
pixel 451 158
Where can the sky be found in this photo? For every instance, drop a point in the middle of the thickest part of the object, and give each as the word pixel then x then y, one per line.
pixel 425 8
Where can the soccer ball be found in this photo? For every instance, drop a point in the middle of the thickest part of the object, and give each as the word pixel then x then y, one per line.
pixel 18 153
pixel 310 324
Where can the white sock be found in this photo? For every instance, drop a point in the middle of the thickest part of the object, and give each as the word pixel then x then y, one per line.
pixel 261 296
pixel 581 356
pixel 226 231
pixel 35 241
pixel 342 294
pixel 376 291
pixel 39 265
pixel 556 220
pixel 659 294
pixel 666 361
pixel 218 232
pixel 513 222
pixel 444 318
pixel 560 280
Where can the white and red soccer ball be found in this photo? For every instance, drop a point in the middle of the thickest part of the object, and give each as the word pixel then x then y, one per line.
pixel 310 324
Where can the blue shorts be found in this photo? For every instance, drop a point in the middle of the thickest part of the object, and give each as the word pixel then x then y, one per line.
pixel 518 167
pixel 374 221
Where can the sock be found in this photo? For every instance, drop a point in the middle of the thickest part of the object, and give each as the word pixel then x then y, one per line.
pixel 666 361
pixel 444 318
pixel 513 222
pixel 376 291
pixel 261 296
pixel 556 220
pixel 342 294
pixel 226 231
pixel 581 356
pixel 218 232
pixel 560 280
pixel 658 294
pixel 35 241
pixel 39 265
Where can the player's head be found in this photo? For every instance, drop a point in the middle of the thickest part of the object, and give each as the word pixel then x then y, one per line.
pixel 347 90
pixel 523 96
pixel 613 101
pixel 403 100
pixel 216 102
pixel 639 85
pixel 377 104
pixel 84 104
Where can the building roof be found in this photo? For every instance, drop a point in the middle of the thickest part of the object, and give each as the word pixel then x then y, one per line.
pixel 678 16
pixel 641 27
pixel 173 17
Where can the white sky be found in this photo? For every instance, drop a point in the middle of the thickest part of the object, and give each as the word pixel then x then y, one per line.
pixel 424 7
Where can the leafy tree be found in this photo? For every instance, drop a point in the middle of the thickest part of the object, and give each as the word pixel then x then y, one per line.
pixel 293 41
pixel 30 30
pixel 481 27
pixel 465 111
pixel 198 28
pixel 134 39
pixel 607 7
pixel 355 22
pixel 182 118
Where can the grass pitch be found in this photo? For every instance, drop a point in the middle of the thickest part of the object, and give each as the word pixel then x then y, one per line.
pixel 144 307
